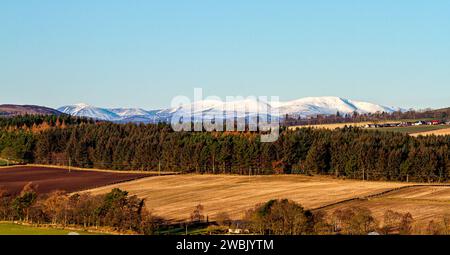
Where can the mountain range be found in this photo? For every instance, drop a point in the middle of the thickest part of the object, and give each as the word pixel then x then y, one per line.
pixel 208 109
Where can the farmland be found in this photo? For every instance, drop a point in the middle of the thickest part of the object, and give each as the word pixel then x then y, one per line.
pixel 411 130
pixel 425 203
pixel 48 179
pixel 353 124
pixel 415 130
pixel 174 197
pixel 337 125
pixel 444 131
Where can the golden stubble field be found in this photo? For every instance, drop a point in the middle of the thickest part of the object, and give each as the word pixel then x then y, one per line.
pixel 425 203
pixel 434 132
pixel 174 197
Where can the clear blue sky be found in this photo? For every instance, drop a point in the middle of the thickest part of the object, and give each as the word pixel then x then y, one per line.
pixel 142 53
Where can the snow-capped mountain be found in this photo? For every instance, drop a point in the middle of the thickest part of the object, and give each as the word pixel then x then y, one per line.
pixel 209 109
pixel 215 109
pixel 312 106
pixel 123 115
pixel 85 110
pixel 128 112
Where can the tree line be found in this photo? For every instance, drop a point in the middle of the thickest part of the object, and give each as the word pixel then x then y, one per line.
pixel 115 211
pixel 346 153
pixel 29 120
pixel 441 114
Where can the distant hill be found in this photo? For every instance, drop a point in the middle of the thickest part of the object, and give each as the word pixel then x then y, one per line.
pixel 15 110
pixel 440 111
pixel 212 109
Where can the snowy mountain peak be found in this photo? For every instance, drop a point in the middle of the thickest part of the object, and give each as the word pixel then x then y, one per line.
pixel 85 110
pixel 83 105
pixel 207 109
pixel 311 106
pixel 128 112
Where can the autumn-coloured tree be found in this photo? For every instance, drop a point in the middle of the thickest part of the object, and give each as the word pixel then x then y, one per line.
pixel 56 207
pixel 280 217
pixel 5 204
pixel 397 223
pixel 353 221
pixel 22 203
pixel 197 215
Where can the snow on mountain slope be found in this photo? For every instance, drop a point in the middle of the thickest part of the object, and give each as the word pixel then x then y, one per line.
pixel 85 110
pixel 364 107
pixel 129 112
pixel 311 106
pixel 208 109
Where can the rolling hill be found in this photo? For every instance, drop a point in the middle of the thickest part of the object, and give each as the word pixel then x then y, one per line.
pixel 15 110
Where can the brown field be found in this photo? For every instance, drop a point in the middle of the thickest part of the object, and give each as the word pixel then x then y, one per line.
pixel 146 172
pixel 49 178
pixel 174 197
pixel 434 132
pixel 425 203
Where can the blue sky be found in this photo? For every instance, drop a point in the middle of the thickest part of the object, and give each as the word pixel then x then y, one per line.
pixel 143 53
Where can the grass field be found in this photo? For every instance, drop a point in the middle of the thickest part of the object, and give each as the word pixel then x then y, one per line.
pixel 16 229
pixel 337 125
pixel 424 203
pixel 3 162
pixel 414 130
pixel 174 197
pixel 355 124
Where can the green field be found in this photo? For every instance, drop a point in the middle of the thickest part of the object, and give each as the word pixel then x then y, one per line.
pixel 202 229
pixel 3 162
pixel 16 229
pixel 411 130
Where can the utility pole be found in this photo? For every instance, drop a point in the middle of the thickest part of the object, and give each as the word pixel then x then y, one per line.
pixel 214 165
pixel 70 164
pixel 159 167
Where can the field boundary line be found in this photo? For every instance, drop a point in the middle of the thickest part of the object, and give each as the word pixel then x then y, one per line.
pixel 151 173
pixel 377 195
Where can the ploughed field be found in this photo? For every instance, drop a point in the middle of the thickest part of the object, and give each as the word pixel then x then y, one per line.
pixel 47 179
pixel 174 197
